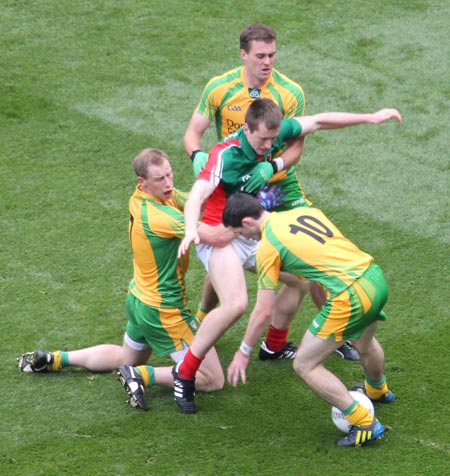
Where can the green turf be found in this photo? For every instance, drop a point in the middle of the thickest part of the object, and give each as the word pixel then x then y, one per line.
pixel 84 86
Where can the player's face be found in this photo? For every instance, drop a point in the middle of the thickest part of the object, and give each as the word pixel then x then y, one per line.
pixel 247 230
pixel 261 139
pixel 159 181
pixel 259 62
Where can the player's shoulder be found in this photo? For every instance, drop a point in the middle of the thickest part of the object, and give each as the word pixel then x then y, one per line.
pixel 281 80
pixel 290 128
pixel 308 215
pixel 278 76
pixel 178 199
pixel 233 135
pixel 229 145
pixel 225 78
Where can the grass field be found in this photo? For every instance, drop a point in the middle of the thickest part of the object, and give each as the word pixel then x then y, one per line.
pixel 84 86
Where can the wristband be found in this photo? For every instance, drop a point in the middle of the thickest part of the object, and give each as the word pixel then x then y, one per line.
pixel 193 153
pixel 277 164
pixel 245 349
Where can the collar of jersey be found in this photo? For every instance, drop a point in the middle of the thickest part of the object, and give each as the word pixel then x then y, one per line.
pixel 148 196
pixel 264 223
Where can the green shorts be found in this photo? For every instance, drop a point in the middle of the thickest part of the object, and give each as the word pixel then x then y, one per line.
pixel 347 315
pixel 165 330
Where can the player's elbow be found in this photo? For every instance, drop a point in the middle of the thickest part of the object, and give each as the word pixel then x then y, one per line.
pixel 187 143
pixel 193 135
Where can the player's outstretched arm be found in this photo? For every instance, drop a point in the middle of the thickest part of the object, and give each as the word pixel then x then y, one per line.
pixel 384 115
pixel 338 120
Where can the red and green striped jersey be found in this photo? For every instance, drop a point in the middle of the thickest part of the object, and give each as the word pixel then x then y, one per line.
pixel 230 163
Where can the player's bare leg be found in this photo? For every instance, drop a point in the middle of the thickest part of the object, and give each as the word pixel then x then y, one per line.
pixel 288 300
pixel 232 293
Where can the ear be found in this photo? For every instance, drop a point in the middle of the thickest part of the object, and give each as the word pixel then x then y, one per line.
pixel 243 54
pixel 249 221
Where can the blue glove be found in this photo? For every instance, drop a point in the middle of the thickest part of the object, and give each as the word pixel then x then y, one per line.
pixel 270 196
pixel 198 162
pixel 260 175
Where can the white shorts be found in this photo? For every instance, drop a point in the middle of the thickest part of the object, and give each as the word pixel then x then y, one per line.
pixel 244 247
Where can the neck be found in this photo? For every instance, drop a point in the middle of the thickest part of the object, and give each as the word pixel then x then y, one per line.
pixel 259 223
pixel 263 216
pixel 253 82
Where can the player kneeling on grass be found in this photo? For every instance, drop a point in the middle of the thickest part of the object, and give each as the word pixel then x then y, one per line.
pixel 158 320
pixel 305 243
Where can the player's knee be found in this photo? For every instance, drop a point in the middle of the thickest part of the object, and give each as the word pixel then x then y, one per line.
pixel 235 307
pixel 207 381
pixel 217 383
pixel 301 368
pixel 297 367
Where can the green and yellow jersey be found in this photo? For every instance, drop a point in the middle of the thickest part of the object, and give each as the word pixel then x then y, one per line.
pixel 304 242
pixel 226 98
pixel 156 228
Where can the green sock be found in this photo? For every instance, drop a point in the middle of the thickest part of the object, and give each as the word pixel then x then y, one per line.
pixel 376 384
pixel 350 409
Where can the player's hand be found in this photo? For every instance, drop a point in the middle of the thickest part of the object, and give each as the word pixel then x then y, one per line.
pixel 270 196
pixel 385 114
pixel 199 161
pixel 190 237
pixel 260 175
pixel 236 369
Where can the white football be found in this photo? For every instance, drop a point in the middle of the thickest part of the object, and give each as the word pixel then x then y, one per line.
pixel 338 417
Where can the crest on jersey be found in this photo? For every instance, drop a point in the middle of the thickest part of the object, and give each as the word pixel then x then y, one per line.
pixel 254 93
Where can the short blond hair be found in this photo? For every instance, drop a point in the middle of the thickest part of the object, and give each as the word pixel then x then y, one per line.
pixel 148 157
